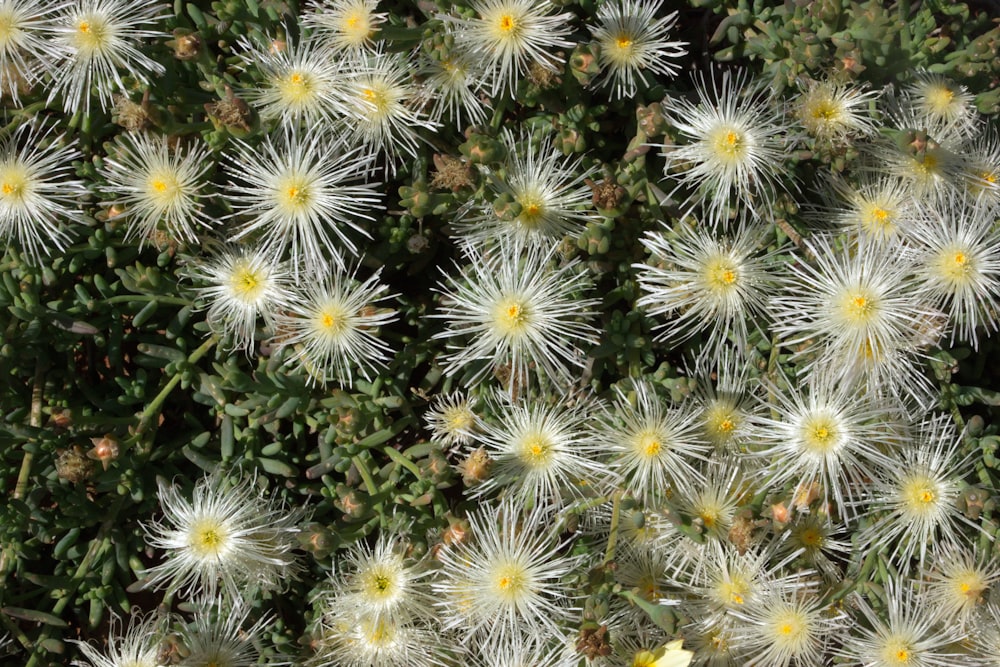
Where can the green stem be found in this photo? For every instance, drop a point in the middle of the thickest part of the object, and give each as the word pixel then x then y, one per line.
pixel 21 485
pixel 154 407
pixel 609 553
pixel 403 461
pixel 126 298
pixel 366 475
pixel 98 545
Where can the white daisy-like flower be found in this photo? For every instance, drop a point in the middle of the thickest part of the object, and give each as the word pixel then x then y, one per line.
pixel 518 313
pixel 302 192
pixel 712 501
pixel 38 190
pixel 959 579
pixel 352 640
pixel 24 54
pixel 788 628
pixel 824 431
pixel 450 81
pixel 834 111
pixel 137 646
pixel 159 188
pixel 958 261
pixel 331 327
pixel 931 169
pixel 704 284
pixel 452 418
pixel 634 42
pixel 907 632
pixel 242 284
pixel 300 83
pixel 344 24
pixel 913 500
pixel 858 316
pixel 381 105
pixel 651 447
pixel 723 396
pixel 733 145
pixel 379 582
pixel 219 635
pixel 984 166
pixel 95 40
pixel 542 452
pixel 509 36
pixel 875 208
pixel 724 579
pixel 940 106
pixel 226 537
pixel 506 578
pixel 539 196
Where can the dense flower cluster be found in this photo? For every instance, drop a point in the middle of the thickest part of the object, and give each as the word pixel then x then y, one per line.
pixel 747 455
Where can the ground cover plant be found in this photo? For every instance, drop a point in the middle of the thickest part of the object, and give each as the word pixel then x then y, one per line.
pixel 502 333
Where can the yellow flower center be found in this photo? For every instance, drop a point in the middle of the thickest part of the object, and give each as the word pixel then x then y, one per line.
pixel 939 99
pixel 811 538
pixel 920 494
pixel 246 283
pixel 91 34
pixel 208 538
pixel 333 320
pixel 623 42
pixel 507 23
pixel 536 450
pixel 648 443
pixel 511 316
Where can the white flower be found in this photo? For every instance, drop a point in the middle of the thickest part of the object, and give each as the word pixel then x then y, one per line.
pixel 939 105
pixel 38 190
pixel 94 40
pixel 651 447
pixel 518 313
pixel 508 36
pixel 713 500
pixel 784 629
pixel 299 84
pixel 351 640
pixel 824 431
pixel 226 535
pixel 959 579
pixel 835 112
pixel 506 578
pixel 724 579
pixel 380 582
pixel 914 500
pixel 243 284
pixel 542 453
pixel 907 632
pixel 723 396
pixel 344 24
pixel 858 316
pixel 218 636
pixel 381 106
pixel 450 79
pixel 137 646
pixel 539 196
pixel 159 188
pixel 452 419
pixel 958 260
pixel 331 327
pixel 876 209
pixel 632 40
pixel 303 192
pixel 734 145
pixel 24 54
pixel 705 284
